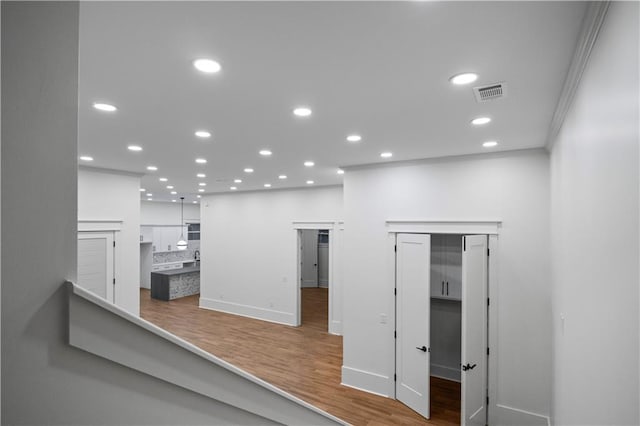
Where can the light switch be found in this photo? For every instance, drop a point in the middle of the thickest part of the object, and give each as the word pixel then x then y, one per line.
pixel 383 318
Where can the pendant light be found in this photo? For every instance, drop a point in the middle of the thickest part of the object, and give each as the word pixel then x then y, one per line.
pixel 181 244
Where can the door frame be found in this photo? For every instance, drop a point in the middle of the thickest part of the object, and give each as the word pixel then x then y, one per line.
pixel 334 325
pixel 491 228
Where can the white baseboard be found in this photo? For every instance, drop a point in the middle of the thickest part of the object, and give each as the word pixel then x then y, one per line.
pixel 444 372
pixel 510 416
pixel 335 327
pixel 309 283
pixel 367 381
pixel 323 283
pixel 255 312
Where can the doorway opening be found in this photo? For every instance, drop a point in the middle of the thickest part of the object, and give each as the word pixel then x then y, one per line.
pixel 314 277
pixel 442 322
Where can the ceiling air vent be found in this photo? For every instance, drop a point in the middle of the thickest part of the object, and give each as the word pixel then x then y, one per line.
pixel 490 92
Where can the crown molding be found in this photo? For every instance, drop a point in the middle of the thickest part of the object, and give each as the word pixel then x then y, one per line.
pixel 591 24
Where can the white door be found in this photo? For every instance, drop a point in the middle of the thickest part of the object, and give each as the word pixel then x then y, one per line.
pixel 413 307
pixel 95 263
pixel 474 330
pixel 309 257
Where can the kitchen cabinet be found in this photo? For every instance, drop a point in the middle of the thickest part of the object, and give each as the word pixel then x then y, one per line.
pixel 446 266
pixel 165 238
pixel 146 234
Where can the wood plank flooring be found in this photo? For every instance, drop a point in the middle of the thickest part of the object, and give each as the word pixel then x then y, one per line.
pixel 305 361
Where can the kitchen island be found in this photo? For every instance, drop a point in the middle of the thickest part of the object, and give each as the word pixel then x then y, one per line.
pixel 175 283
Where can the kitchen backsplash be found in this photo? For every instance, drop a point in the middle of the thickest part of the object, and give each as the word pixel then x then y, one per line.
pixel 177 256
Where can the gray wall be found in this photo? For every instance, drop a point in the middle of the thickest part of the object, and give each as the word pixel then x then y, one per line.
pixel 45 381
pixel 595 244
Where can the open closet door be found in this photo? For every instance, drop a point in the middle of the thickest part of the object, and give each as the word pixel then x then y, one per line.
pixel 474 330
pixel 412 321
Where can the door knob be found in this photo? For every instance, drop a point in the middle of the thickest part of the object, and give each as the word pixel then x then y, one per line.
pixel 423 349
pixel 468 367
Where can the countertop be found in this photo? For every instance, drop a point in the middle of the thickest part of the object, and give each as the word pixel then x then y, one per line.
pixel 171 272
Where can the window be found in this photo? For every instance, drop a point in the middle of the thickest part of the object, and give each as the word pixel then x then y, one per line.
pixel 193 231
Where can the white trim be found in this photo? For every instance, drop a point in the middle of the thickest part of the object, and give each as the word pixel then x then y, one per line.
pixel 515 416
pixel 444 226
pixel 90 340
pixel 314 224
pixel 366 381
pixel 444 372
pixel 270 315
pixel 99 225
pixel 493 366
pixel 335 328
pixel 594 17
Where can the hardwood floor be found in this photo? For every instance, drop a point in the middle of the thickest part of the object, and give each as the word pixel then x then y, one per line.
pixel 305 361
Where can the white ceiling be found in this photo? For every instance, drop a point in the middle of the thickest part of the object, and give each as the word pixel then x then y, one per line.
pixel 379 69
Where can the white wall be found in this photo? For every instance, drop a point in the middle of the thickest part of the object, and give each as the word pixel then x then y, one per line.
pixel 116 196
pixel 249 249
pixel 161 213
pixel 512 187
pixel 594 186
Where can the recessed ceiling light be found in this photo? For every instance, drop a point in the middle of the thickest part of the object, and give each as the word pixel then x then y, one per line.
pixel 104 107
pixel 202 184
pixel 86 158
pixel 203 134
pixel 267 185
pixel 163 179
pixel 480 121
pixel 152 168
pixel 282 177
pixel 207 65
pixel 201 175
pixel 173 192
pixel 169 186
pixel 386 155
pixel 248 170
pixel 149 199
pixel 490 144
pixel 201 161
pixel 309 163
pixel 149 195
pixel 194 202
pixel 302 111
pixel 354 138
pixel 201 190
pixel 173 201
pixel 134 148
pixel 142 189
pixel 199 196
pixel 464 78
pixel 310 182
pixel 340 171
pixel 265 152
pixel 233 188
pixel 237 181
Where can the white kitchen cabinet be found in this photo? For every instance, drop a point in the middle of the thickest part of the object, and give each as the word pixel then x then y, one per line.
pixel 165 238
pixel 146 234
pixel 446 266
